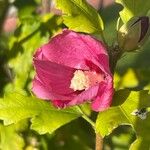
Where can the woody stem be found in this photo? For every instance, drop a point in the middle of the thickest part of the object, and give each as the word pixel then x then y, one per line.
pixel 98 142
pixel 99 139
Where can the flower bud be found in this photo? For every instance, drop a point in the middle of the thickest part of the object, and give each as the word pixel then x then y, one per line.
pixel 134 33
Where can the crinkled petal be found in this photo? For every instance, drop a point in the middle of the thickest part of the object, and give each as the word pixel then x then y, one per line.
pixel 42 92
pixel 55 77
pixel 104 97
pixel 84 96
pixel 56 62
pixel 72 49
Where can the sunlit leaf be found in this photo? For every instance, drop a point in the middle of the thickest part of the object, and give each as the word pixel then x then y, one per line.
pixel 80 16
pixel 133 8
pixel 125 102
pixel 127 80
pixel 10 140
pixel 44 117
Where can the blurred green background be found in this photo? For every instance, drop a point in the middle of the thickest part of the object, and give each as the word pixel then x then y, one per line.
pixel 23 29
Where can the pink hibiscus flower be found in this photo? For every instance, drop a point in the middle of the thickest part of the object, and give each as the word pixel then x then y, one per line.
pixel 71 69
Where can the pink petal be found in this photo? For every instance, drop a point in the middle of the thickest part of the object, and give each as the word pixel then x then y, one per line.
pixel 42 92
pixel 56 62
pixel 60 103
pixel 54 76
pixel 86 95
pixel 72 49
pixel 104 97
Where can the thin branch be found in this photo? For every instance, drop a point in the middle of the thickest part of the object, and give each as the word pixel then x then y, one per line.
pixel 98 142
pixel 98 138
pixel 115 54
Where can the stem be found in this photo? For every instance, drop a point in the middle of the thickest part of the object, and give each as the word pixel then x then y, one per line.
pixel 103 38
pixel 99 139
pixel 88 120
pixel 98 142
pixel 114 55
pixel 84 116
pixel 46 6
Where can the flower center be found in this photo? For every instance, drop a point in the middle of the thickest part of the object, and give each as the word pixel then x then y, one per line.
pixel 85 79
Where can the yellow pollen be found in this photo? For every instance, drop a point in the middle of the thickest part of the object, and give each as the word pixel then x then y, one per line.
pixel 84 79
pixel 79 81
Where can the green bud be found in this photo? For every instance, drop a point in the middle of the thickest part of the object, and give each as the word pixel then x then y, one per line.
pixel 134 33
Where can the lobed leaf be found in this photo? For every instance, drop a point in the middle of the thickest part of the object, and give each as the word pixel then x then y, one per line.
pixel 133 8
pixel 125 102
pixel 80 16
pixel 44 117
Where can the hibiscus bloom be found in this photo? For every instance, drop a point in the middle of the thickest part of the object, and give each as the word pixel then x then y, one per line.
pixel 71 69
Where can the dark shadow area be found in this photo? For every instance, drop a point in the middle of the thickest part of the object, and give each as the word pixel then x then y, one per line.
pixel 123 95
pixel 120 138
pixel 136 60
pixel 77 135
pixel 110 13
pixel 110 16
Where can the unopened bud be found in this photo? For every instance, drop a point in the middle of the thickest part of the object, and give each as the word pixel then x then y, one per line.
pixel 134 33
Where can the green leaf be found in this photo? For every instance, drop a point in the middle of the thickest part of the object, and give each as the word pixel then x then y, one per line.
pixel 141 143
pixel 133 8
pixel 10 140
pixel 80 16
pixel 121 114
pixel 33 31
pixel 130 75
pixel 122 82
pixel 44 117
pixel 3 11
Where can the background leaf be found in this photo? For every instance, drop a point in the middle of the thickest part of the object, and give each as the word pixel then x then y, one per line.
pixel 45 118
pixel 80 16
pixel 133 8
pixel 121 115
pixel 33 31
pixel 10 140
